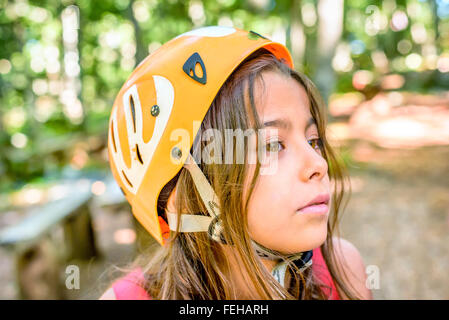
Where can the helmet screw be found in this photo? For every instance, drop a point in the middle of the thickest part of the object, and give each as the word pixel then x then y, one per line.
pixel 155 110
pixel 176 153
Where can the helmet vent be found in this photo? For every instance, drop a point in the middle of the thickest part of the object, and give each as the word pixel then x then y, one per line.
pixel 112 136
pixel 254 35
pixel 138 154
pixel 126 178
pixel 133 111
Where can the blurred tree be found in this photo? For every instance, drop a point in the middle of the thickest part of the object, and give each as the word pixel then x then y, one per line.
pixel 330 21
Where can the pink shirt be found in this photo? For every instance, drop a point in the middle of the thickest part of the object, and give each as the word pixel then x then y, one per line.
pixel 128 287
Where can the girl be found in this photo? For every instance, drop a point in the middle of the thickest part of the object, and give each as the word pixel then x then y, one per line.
pixel 230 228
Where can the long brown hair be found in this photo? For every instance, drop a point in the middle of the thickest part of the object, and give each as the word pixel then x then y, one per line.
pixel 191 265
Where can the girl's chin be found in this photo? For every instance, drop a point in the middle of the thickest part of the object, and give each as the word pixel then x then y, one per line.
pixel 314 240
pixel 299 239
pixel 303 244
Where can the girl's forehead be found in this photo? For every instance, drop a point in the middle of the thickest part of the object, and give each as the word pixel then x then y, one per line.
pixel 281 96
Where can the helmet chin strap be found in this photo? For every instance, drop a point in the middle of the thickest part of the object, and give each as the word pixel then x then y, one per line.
pixel 213 226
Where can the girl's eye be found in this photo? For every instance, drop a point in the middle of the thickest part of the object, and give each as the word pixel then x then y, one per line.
pixel 316 144
pixel 274 146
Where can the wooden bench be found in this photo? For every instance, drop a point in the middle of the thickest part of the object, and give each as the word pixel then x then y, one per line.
pixel 56 233
pixel 48 236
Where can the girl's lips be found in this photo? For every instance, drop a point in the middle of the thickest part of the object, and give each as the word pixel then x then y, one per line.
pixel 321 208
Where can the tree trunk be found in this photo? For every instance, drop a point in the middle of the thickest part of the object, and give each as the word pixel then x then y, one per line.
pixel 330 28
pixel 297 37
pixel 141 52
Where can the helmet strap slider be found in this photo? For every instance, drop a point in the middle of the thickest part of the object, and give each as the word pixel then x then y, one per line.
pixel 176 153
pixel 155 110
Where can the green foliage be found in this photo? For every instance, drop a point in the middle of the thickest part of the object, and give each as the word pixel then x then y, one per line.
pixel 38 133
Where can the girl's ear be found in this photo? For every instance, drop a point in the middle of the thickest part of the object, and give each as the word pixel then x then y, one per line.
pixel 171 201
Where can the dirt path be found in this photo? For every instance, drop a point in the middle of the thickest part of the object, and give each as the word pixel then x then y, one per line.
pixel 398 217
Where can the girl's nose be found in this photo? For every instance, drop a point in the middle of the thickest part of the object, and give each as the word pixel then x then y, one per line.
pixel 314 166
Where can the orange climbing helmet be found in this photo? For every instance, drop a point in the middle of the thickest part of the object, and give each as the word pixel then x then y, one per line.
pixel 172 89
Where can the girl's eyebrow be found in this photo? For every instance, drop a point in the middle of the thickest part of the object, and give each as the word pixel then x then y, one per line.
pixel 286 124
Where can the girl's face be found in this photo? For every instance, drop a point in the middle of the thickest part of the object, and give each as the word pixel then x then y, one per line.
pixel 275 217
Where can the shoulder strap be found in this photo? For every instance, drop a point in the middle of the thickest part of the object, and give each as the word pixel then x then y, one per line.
pixel 129 288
